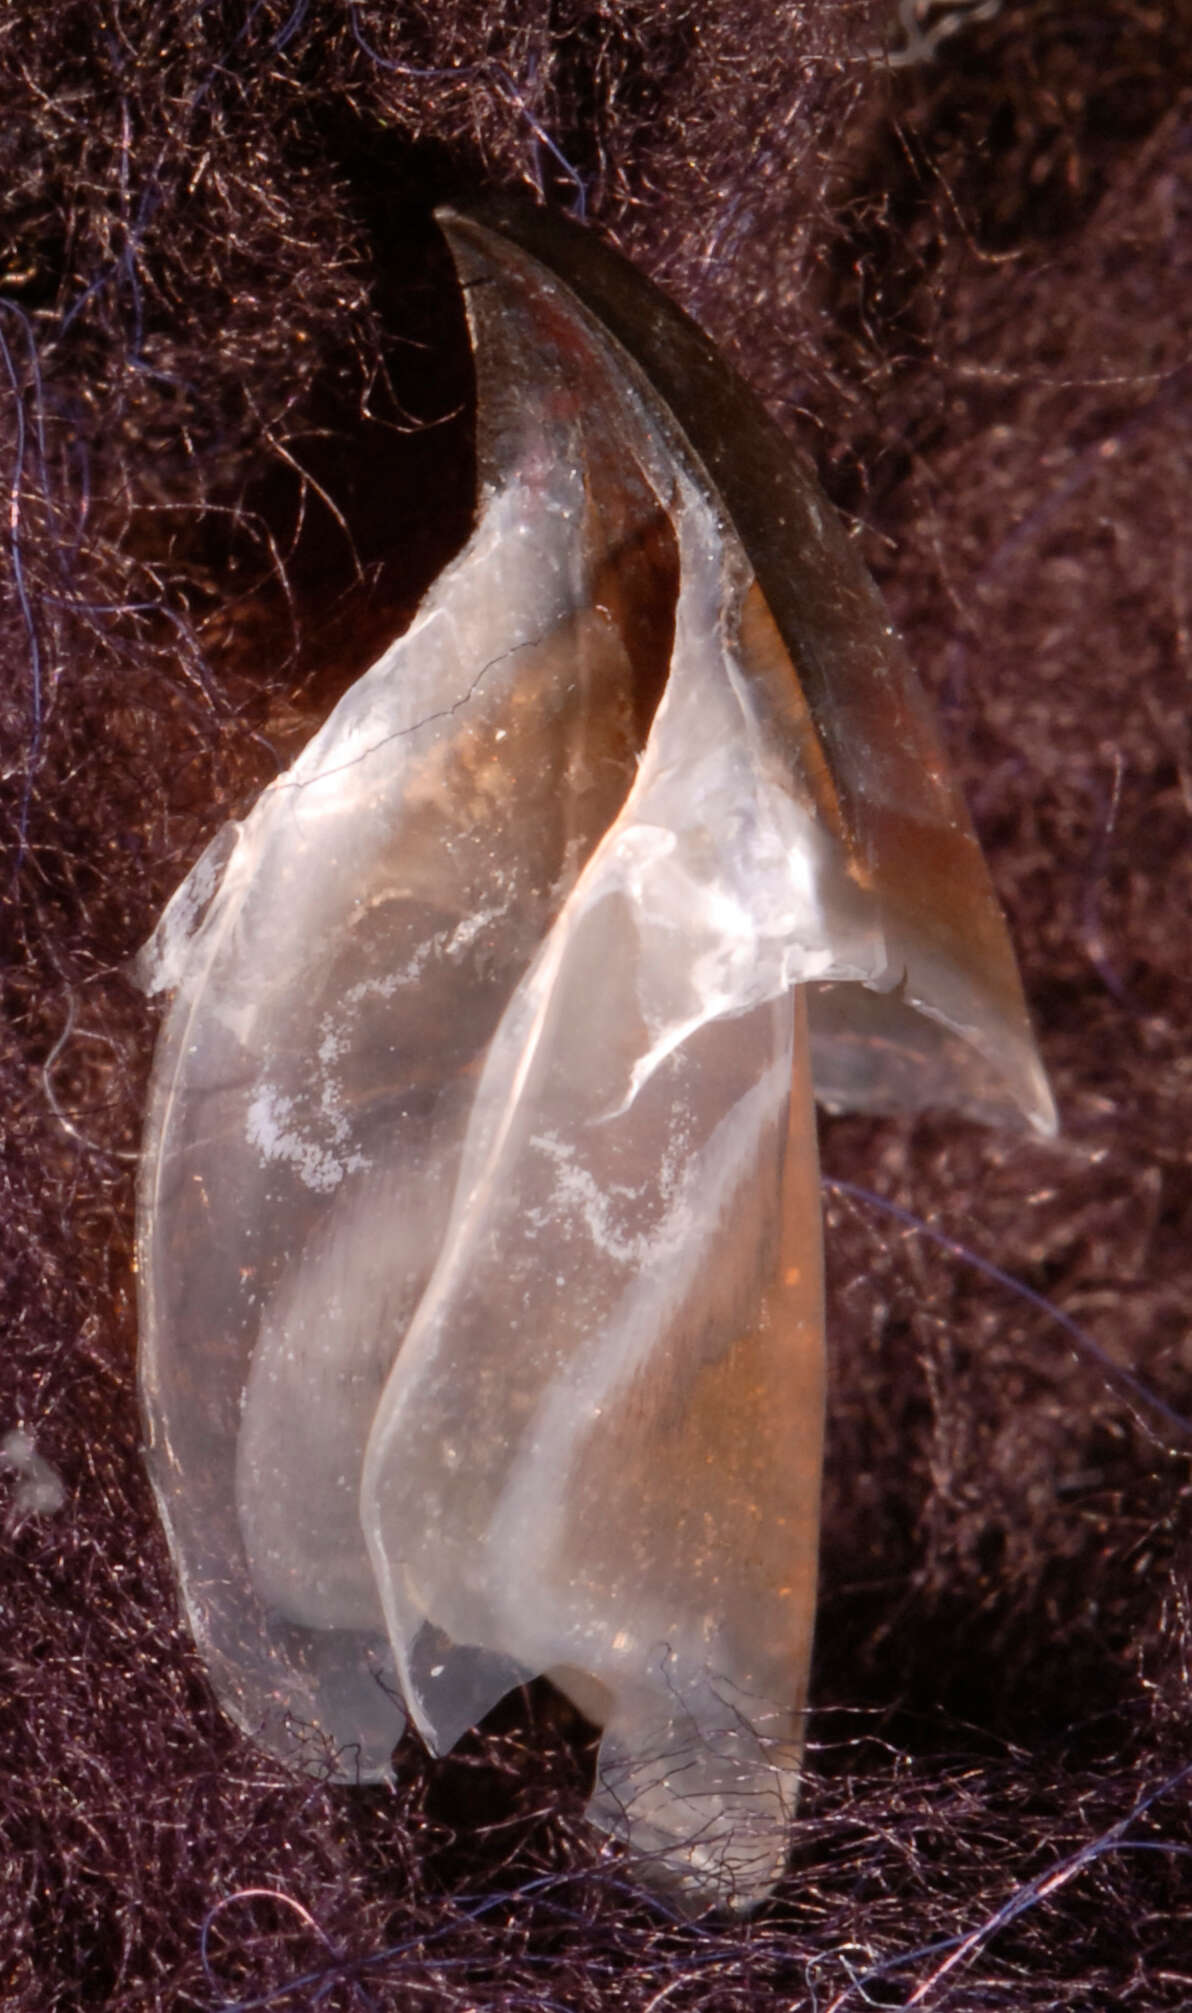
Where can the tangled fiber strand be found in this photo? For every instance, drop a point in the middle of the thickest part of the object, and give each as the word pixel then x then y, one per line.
pixel 234 448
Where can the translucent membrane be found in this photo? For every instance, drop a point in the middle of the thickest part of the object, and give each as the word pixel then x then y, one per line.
pixel 479 1241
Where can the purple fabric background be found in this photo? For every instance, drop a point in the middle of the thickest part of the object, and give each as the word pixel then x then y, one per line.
pixel 234 387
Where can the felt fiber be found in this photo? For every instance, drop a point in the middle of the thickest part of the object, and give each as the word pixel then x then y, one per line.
pixel 235 450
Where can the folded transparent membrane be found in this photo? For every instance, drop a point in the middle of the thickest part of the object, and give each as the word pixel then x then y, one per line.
pixel 479 1221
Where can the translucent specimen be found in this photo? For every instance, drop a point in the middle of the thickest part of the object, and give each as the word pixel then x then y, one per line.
pixel 480 1234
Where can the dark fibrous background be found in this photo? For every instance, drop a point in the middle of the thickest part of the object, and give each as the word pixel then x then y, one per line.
pixel 235 449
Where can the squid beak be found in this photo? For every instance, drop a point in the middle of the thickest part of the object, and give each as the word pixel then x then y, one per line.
pixel 482 1326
